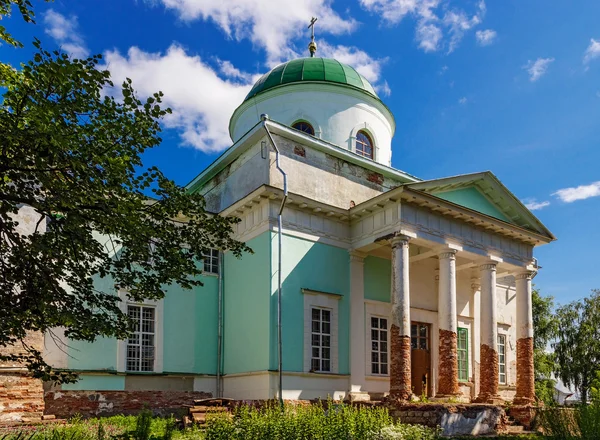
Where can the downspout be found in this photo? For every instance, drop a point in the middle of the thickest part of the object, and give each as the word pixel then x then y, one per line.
pixel 219 390
pixel 265 118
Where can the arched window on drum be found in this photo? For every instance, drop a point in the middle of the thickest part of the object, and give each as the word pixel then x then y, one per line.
pixel 364 144
pixel 304 127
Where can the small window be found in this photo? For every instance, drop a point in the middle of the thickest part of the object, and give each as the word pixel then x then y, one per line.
pixel 140 343
pixel 211 261
pixel 320 340
pixel 364 144
pixel 305 127
pixel 463 354
pixel 379 345
pixel 502 359
pixel 419 336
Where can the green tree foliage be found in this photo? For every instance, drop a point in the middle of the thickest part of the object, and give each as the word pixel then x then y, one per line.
pixel 25 9
pixel 577 348
pixel 71 151
pixel 544 331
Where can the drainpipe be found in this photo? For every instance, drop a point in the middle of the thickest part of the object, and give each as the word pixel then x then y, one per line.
pixel 264 118
pixel 220 326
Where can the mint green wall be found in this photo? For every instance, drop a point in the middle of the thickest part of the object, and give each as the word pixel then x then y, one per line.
pixel 314 266
pixel 246 308
pixel 473 199
pixel 97 383
pixel 378 278
pixel 190 328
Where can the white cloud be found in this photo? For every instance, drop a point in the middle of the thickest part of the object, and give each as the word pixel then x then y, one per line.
pixel 434 20
pixel 534 205
pixel 486 37
pixel 582 192
pixel 270 26
pixel 537 68
pixel 384 89
pixel 463 100
pixel 65 31
pixel 201 100
pixel 364 64
pixel 592 52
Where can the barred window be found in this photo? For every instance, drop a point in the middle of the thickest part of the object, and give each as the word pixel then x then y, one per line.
pixel 304 126
pixel 463 354
pixel 320 340
pixel 141 342
pixel 502 359
pixel 364 144
pixel 379 345
pixel 211 261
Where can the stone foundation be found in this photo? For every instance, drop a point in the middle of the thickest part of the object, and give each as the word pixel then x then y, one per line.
pixel 488 382
pixel 64 404
pixel 525 373
pixel 21 396
pixel 448 364
pixel 400 380
pixel 452 419
pixel 523 414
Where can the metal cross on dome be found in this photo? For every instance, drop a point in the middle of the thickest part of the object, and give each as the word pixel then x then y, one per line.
pixel 312 46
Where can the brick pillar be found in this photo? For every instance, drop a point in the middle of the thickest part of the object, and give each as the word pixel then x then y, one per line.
pixel 447 322
pixel 400 381
pixel 525 372
pixel 488 386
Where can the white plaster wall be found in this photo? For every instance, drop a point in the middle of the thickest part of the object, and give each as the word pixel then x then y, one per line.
pixel 335 112
pixel 506 301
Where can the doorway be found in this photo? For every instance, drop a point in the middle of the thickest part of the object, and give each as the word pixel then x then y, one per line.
pixel 420 342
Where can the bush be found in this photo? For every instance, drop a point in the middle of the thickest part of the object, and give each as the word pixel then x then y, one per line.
pixel 322 421
pixel 581 422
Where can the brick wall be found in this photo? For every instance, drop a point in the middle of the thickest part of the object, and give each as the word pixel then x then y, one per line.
pixel 64 404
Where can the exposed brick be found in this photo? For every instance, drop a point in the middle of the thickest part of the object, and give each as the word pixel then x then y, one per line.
pixel 525 373
pixel 299 151
pixel 21 396
pixel 107 403
pixel 488 382
pixel 448 364
pixel 375 178
pixel 400 380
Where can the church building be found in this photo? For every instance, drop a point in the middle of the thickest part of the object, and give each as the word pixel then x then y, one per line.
pixel 389 284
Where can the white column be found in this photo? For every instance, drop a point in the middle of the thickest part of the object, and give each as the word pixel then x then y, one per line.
pixel 447 322
pixel 489 333
pixel 476 334
pixel 524 305
pixel 357 327
pixel 400 379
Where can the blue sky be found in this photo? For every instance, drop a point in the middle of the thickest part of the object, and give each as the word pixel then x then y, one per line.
pixel 509 86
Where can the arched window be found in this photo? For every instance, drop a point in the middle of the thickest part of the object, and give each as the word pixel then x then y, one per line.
pixel 364 144
pixel 304 126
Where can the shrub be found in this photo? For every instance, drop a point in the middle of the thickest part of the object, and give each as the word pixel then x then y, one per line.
pixel 581 422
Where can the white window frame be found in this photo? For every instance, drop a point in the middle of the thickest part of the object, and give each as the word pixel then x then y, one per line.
pixel 387 341
pixel 209 267
pixel 139 333
pixel 158 335
pixel 504 337
pixel 376 309
pixel 322 312
pixel 327 301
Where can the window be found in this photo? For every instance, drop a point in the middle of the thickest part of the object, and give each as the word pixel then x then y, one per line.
pixel 140 344
pixel 502 359
pixel 463 354
pixel 211 261
pixel 364 145
pixel 419 336
pixel 304 127
pixel 379 345
pixel 320 340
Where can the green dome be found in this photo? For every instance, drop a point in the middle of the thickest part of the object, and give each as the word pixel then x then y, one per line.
pixel 314 70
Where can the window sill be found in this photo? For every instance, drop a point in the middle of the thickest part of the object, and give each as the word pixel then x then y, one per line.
pixel 210 274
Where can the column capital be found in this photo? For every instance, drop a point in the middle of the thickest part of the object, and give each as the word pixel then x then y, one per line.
pixel 400 240
pixel 488 265
pixel 447 253
pixel 475 284
pixel 356 256
pixel 525 275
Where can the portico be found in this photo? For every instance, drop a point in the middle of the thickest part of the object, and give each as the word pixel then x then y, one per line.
pixel 451 271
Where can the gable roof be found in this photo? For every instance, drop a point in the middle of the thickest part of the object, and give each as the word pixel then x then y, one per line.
pixel 483 192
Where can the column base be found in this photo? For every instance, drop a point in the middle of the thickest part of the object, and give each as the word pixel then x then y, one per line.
pixel 490 400
pixel 523 401
pixel 359 396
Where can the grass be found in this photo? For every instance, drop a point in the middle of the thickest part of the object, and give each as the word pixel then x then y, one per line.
pixel 329 421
